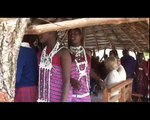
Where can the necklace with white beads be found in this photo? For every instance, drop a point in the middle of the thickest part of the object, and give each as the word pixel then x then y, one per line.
pixel 77 52
pixel 46 65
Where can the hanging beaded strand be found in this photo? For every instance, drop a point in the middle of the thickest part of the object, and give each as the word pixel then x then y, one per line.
pixel 77 52
pixel 46 65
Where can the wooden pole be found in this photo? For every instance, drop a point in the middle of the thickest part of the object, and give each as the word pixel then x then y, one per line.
pixel 78 23
pixel 6 19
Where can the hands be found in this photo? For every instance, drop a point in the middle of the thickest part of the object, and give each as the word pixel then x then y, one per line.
pixel 101 83
pixel 75 84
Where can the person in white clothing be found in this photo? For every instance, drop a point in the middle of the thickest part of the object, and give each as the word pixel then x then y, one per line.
pixel 113 77
pixel 121 71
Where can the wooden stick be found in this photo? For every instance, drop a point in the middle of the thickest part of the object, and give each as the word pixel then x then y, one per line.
pixel 78 23
pixel 5 19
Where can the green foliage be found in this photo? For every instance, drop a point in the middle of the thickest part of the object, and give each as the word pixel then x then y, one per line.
pixel 146 55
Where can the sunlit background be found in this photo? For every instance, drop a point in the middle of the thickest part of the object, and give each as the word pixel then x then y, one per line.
pixel 101 52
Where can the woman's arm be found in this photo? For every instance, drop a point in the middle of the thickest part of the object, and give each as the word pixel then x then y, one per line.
pixel 96 77
pixel 65 60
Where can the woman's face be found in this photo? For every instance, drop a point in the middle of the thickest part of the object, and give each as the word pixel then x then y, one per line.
pixel 111 54
pixel 45 37
pixel 74 37
pixel 111 64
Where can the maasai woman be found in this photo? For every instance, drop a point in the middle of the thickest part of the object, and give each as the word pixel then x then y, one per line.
pixel 54 71
pixel 142 75
pixel 80 68
pixel 148 96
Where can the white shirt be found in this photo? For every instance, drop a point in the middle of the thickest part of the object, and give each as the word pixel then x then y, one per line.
pixel 112 78
pixel 122 73
pixel 25 44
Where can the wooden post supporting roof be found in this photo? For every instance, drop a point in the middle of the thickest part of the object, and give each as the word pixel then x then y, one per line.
pixel 5 19
pixel 78 23
pixel 11 34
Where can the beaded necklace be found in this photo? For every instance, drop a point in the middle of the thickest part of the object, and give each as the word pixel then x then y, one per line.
pixel 77 51
pixel 46 66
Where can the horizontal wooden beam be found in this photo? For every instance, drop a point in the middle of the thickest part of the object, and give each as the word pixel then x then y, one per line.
pixel 117 86
pixel 78 23
pixel 5 19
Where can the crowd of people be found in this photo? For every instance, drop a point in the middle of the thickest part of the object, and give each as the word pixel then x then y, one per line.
pixel 114 70
pixel 48 71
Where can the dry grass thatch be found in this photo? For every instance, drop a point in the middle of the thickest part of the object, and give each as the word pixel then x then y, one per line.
pixel 130 35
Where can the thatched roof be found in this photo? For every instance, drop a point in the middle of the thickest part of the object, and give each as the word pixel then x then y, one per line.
pixel 100 33
pixel 131 35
